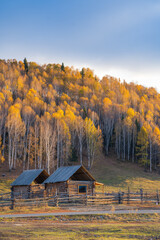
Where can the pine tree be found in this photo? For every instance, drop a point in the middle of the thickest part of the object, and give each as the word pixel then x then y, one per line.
pixel 26 65
pixel 82 73
pixel 62 67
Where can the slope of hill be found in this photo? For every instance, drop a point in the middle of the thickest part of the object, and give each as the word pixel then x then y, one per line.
pixel 54 115
pixel 118 175
pixel 114 174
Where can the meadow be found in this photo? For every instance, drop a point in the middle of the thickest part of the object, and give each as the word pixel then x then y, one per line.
pixel 118 175
pixel 116 227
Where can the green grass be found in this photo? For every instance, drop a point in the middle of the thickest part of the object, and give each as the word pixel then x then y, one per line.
pixel 118 175
pixel 113 227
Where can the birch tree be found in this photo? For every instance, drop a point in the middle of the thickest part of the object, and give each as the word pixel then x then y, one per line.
pixel 80 134
pixel 93 140
pixel 49 139
pixel 142 147
pixel 16 129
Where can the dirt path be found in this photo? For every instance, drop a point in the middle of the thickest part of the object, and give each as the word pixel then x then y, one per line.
pixel 144 211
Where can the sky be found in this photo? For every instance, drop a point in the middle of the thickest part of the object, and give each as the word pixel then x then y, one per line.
pixel 119 38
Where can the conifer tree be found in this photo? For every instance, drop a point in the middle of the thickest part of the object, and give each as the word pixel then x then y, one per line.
pixel 82 73
pixel 62 67
pixel 25 65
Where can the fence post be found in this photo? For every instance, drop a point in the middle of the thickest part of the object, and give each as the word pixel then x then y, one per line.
pixel 128 196
pixel 141 194
pixel 157 196
pixel 119 198
pixel 12 199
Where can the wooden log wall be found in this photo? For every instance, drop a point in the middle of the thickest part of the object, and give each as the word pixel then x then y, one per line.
pixel 31 191
pixel 53 189
pixel 73 187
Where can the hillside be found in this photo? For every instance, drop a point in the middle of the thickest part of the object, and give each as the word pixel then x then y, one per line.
pixel 114 174
pixel 118 175
pixel 55 115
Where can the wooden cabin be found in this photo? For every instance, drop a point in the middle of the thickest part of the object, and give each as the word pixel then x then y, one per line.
pixel 29 184
pixel 71 180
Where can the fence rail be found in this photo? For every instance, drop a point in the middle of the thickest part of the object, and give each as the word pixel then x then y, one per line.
pixel 140 196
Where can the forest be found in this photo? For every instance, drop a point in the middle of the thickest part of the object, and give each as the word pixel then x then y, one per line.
pixel 53 115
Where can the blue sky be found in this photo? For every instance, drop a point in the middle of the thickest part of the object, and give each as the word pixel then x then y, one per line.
pixel 115 37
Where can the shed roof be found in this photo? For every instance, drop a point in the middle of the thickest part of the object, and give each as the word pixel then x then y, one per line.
pixel 28 176
pixel 63 174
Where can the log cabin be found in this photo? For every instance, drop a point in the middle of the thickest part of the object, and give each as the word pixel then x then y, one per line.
pixel 29 184
pixel 70 180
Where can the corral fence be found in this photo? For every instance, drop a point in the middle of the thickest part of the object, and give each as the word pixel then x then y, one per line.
pixel 140 196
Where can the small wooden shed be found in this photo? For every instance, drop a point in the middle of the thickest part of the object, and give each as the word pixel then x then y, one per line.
pixel 29 184
pixel 70 180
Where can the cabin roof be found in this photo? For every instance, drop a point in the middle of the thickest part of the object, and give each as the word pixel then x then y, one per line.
pixel 28 176
pixel 63 174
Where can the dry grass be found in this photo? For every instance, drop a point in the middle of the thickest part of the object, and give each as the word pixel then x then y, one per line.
pixel 5 185
pixel 6 177
pixel 130 226
pixel 24 209
pixel 118 175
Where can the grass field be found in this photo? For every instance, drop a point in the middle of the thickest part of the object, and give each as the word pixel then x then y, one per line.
pixel 118 175
pixel 5 185
pixel 83 227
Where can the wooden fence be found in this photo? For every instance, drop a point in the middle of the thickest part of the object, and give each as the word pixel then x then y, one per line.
pixel 140 196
